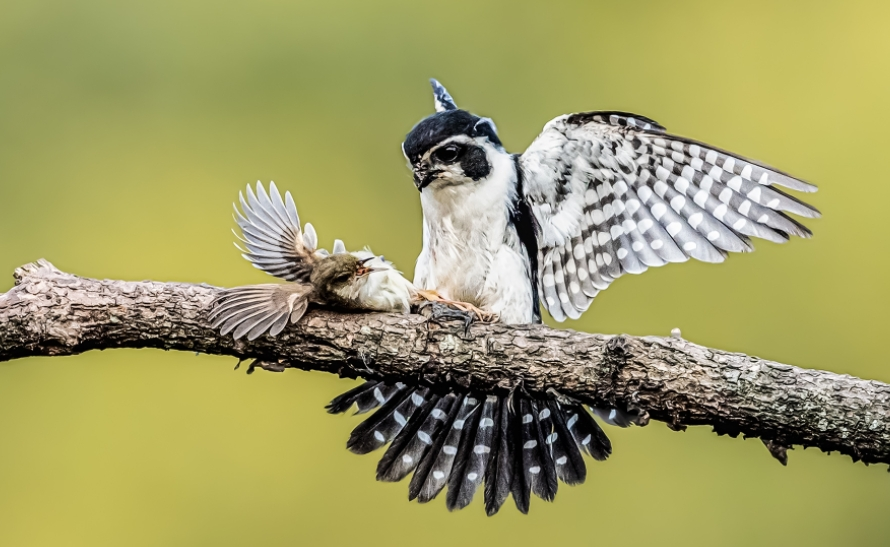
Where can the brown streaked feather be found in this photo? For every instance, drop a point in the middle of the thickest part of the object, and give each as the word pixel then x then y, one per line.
pixel 257 309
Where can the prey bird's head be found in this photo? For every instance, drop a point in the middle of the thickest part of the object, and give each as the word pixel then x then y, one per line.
pixel 451 147
pixel 339 276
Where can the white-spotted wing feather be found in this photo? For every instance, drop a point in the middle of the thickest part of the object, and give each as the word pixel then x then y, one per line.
pixel 614 193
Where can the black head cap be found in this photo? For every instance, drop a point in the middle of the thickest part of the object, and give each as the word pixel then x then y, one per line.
pixel 442 125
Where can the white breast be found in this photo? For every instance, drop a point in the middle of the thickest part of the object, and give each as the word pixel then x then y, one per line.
pixel 470 251
pixel 384 289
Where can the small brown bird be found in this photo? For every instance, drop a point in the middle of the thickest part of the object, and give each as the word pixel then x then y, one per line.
pixel 256 309
pixel 274 243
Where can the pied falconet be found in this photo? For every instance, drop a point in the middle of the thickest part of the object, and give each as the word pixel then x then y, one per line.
pixel 595 196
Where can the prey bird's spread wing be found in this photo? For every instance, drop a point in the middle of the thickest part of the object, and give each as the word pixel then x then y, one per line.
pixel 615 193
pixel 272 237
pixel 273 242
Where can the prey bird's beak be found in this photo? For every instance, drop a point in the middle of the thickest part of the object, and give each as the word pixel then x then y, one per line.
pixel 365 270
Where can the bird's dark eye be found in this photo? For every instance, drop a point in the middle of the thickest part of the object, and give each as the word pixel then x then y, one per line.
pixel 342 278
pixel 447 154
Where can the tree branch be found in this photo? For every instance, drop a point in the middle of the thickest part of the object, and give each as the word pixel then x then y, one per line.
pixel 49 312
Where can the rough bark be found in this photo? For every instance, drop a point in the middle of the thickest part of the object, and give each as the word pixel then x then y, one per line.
pixel 49 312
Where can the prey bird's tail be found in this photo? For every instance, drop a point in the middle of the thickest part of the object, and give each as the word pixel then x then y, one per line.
pixel 254 310
pixel 517 445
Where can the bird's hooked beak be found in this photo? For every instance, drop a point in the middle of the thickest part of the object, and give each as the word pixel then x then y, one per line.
pixel 423 175
pixel 364 270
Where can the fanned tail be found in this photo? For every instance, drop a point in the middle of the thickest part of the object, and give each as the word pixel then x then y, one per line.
pixel 254 310
pixel 514 444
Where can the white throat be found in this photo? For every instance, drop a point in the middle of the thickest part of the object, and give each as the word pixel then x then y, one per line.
pixel 468 206
pixel 464 229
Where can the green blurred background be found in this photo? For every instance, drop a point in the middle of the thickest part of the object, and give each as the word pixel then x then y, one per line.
pixel 127 129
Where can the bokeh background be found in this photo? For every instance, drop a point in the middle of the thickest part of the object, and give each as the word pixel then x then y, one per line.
pixel 127 129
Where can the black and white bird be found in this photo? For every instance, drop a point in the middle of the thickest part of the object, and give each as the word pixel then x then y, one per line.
pixel 595 196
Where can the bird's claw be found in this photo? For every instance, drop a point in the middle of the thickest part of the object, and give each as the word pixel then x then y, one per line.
pixel 481 315
pixel 439 312
pixel 617 345
pixel 428 297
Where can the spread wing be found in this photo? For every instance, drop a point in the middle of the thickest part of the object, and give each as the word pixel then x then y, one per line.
pixel 271 234
pixel 614 193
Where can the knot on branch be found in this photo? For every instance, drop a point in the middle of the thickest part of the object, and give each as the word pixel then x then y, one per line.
pixel 616 355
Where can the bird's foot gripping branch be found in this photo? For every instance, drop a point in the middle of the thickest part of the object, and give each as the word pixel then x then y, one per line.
pixel 52 313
